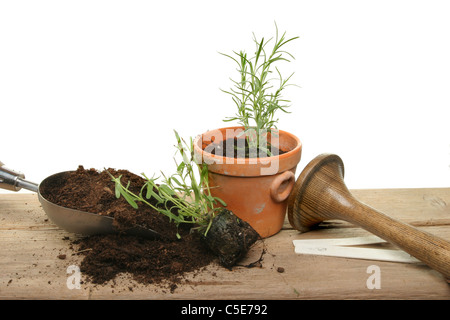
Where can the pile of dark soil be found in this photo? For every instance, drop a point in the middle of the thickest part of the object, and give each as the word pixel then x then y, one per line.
pixel 148 261
pixel 105 256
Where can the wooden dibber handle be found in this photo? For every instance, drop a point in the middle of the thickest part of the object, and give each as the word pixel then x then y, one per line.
pixel 321 194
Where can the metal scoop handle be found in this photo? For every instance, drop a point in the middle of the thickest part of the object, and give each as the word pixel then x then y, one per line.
pixel 14 181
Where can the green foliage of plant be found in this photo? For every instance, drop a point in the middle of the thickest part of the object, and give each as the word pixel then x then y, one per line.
pixel 182 196
pixel 256 96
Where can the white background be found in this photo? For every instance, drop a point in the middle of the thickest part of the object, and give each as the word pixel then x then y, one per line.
pixel 104 83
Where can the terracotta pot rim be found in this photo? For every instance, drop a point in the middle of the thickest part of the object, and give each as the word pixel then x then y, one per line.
pixel 284 155
pixel 289 158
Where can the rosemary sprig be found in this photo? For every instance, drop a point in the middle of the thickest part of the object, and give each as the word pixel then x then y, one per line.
pixel 252 91
pixel 181 196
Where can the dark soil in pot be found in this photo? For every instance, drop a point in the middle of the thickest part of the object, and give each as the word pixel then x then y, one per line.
pixel 147 260
pixel 239 148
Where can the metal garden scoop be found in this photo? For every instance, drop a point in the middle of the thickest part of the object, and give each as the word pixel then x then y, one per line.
pixel 71 220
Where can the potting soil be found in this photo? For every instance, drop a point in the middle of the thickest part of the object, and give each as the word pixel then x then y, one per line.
pixel 105 256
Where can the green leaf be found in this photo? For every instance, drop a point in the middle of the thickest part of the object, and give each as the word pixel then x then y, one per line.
pixel 118 188
pixel 177 182
pixel 129 198
pixel 166 189
pixel 220 201
pixel 154 195
pixel 181 167
pixel 149 187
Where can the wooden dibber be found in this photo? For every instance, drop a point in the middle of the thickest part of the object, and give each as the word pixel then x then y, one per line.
pixel 320 194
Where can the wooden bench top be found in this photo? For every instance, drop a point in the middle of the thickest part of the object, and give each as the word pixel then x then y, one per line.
pixel 32 268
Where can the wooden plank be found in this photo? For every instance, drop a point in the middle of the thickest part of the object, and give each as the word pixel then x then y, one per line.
pixel 409 205
pixel 30 266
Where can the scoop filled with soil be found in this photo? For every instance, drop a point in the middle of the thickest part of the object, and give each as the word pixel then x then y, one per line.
pixel 74 219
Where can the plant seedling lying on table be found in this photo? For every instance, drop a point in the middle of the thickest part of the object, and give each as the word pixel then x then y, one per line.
pixel 179 196
pixel 188 200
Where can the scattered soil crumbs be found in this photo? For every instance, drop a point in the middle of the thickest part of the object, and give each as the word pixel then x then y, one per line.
pixel 149 261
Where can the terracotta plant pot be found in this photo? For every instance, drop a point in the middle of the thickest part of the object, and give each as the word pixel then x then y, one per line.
pixel 254 189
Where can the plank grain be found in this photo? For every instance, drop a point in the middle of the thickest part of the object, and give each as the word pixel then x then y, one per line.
pixel 36 259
